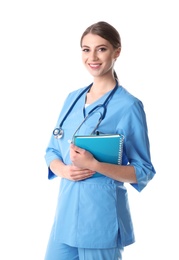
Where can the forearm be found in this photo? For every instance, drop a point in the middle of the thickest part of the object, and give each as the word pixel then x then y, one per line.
pixel 122 173
pixel 57 167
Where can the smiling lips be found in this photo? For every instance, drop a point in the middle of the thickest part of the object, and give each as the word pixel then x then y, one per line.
pixel 94 66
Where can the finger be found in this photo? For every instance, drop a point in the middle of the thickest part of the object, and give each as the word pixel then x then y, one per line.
pixel 81 175
pixel 75 148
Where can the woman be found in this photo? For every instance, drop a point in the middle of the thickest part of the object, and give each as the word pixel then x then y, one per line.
pixel 92 220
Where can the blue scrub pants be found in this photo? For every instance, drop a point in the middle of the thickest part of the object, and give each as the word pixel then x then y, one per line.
pixel 58 251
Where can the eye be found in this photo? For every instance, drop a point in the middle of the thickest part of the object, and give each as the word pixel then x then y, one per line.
pixel 85 50
pixel 102 49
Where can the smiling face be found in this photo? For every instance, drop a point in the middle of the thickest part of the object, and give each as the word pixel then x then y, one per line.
pixel 98 55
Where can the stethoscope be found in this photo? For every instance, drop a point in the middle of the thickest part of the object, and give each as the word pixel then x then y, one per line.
pixel 58 132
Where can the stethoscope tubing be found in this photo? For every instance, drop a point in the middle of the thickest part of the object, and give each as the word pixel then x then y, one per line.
pixel 58 132
pixel 74 103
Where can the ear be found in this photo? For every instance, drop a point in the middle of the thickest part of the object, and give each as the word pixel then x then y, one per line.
pixel 117 52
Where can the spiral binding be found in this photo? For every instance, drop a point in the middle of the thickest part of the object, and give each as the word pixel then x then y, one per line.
pixel 120 149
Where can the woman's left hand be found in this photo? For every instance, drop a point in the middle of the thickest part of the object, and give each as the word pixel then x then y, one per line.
pixel 80 157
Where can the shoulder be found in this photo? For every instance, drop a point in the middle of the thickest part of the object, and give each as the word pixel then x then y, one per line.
pixel 77 93
pixel 126 98
pixel 125 93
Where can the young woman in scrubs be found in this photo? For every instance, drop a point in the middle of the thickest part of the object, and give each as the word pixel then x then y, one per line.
pixel 92 219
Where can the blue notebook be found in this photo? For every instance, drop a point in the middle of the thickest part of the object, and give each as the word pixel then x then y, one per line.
pixel 105 148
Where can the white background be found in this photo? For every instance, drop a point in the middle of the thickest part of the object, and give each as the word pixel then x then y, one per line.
pixel 40 62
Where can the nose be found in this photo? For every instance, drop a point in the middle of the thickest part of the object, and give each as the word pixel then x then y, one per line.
pixel 93 55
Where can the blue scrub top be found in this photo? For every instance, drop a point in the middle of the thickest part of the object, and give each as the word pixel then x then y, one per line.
pixel 95 213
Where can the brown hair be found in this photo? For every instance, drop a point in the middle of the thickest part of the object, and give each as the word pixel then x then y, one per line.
pixel 106 31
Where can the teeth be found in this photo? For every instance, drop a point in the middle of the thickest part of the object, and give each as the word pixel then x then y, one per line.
pixel 94 65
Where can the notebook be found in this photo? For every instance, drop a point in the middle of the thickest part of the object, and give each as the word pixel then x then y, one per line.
pixel 105 148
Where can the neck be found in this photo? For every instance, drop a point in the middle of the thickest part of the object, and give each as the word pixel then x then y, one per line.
pixel 98 89
pixel 103 86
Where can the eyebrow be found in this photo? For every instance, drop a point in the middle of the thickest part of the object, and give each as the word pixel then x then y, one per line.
pixel 101 45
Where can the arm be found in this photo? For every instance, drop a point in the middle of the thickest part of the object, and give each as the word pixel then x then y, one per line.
pixel 56 154
pixel 137 168
pixel 82 158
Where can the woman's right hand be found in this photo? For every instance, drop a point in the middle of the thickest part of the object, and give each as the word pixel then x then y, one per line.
pixel 70 172
pixel 73 173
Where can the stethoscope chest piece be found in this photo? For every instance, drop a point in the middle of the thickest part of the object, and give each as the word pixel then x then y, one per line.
pixel 58 133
